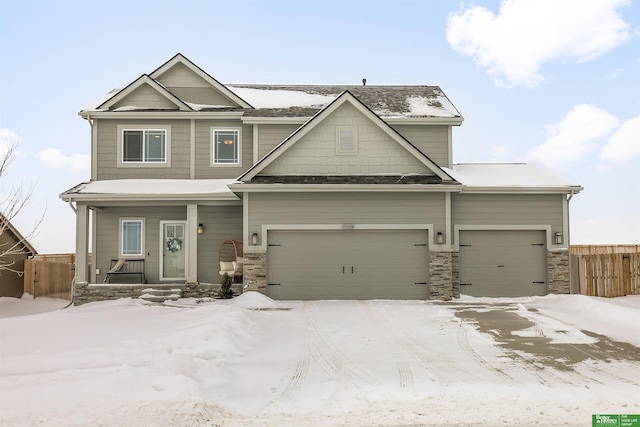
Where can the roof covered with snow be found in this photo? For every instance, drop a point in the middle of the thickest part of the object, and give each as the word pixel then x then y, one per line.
pixel 509 176
pixel 211 189
pixel 385 101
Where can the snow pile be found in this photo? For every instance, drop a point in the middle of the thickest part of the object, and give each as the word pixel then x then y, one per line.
pixel 253 300
pixel 431 107
pixel 11 307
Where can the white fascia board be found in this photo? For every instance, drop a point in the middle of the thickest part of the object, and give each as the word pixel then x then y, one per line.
pixel 145 79
pixel 333 188
pixel 275 120
pixel 93 197
pixel 529 190
pixel 455 121
pixel 161 115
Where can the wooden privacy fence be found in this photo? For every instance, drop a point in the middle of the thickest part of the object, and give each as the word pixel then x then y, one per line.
pixel 51 279
pixel 605 271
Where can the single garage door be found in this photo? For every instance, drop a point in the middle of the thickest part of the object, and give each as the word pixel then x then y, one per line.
pixel 309 265
pixel 503 263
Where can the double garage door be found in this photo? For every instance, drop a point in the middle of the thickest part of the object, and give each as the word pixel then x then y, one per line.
pixel 350 264
pixel 503 263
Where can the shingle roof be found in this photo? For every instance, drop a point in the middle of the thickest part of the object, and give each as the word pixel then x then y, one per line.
pixel 385 101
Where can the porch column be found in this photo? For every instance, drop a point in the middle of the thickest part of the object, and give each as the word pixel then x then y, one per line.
pixel 82 243
pixel 192 244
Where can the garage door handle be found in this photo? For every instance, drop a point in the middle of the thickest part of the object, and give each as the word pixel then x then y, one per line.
pixel 351 269
pixel 273 284
pixel 420 283
pixel 343 269
pixel 538 283
pixel 466 284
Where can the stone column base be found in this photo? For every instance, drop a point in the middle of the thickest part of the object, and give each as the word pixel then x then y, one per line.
pixel 441 276
pixel 558 272
pixel 254 271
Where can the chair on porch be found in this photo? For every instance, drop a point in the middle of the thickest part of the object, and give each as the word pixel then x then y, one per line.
pixel 231 259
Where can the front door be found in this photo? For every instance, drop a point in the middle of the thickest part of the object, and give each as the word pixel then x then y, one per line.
pixel 173 250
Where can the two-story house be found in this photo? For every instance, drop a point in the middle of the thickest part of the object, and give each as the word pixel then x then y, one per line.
pixel 336 192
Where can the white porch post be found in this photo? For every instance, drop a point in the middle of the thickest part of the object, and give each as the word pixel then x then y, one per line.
pixel 192 243
pixel 82 243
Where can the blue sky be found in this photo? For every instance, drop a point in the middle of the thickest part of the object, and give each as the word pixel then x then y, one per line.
pixel 555 82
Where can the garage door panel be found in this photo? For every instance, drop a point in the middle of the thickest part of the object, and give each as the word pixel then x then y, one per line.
pixel 502 263
pixel 347 265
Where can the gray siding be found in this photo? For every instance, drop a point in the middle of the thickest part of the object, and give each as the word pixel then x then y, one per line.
pixel 507 209
pixel 270 136
pixel 108 151
pixel 220 223
pixel 108 231
pixel 188 86
pixel 204 154
pixel 432 140
pixel 145 97
pixel 340 208
pixel 316 152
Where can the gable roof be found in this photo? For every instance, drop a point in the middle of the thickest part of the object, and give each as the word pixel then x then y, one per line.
pixel 384 101
pixel 345 97
pixel 5 224
pixel 179 58
pixel 140 81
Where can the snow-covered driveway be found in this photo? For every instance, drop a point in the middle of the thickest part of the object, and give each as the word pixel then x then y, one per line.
pixel 552 360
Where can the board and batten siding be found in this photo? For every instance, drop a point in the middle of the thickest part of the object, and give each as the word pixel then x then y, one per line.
pixel 107 147
pixel 316 153
pixel 346 208
pixel 432 140
pixel 507 209
pixel 220 223
pixel 204 150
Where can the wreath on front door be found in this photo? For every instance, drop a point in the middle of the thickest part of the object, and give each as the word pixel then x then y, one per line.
pixel 174 245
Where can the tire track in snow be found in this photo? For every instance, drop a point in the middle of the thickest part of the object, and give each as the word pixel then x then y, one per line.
pixel 394 344
pixel 299 374
pixel 330 357
pixel 465 346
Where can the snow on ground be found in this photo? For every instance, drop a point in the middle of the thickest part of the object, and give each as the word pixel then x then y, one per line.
pixel 11 307
pixel 252 361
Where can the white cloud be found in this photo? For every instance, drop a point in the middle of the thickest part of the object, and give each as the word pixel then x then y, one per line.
pixel 625 143
pixel 514 43
pixel 55 159
pixel 575 135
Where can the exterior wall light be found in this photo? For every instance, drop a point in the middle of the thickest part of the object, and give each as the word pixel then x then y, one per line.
pixel 200 229
pixel 254 239
pixel 557 238
pixel 439 238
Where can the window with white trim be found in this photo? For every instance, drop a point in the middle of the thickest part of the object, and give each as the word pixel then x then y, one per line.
pixel 131 237
pixel 144 145
pixel 346 140
pixel 225 146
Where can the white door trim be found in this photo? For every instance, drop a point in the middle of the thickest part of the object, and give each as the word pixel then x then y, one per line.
pixel 161 251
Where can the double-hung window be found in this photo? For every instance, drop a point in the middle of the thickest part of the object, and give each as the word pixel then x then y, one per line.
pixel 132 237
pixel 144 146
pixel 226 146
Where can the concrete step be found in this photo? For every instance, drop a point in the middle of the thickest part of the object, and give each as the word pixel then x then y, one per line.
pixel 160 295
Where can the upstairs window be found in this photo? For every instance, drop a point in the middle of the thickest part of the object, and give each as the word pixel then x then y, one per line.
pixel 144 145
pixel 346 140
pixel 226 146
